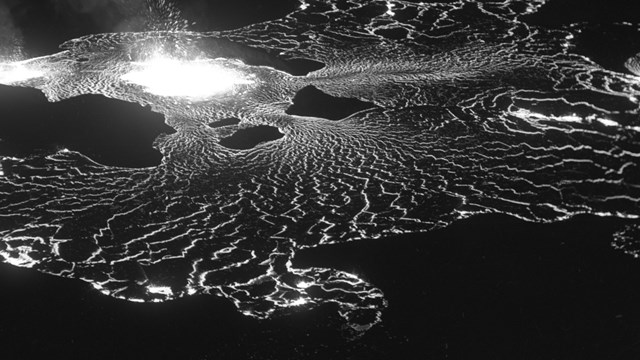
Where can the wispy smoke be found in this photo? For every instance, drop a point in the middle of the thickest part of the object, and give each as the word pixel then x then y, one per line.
pixel 127 15
pixel 34 28
pixel 87 6
pixel 10 36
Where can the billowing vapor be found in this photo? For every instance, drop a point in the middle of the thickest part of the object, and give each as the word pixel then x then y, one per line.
pixel 125 16
pixel 10 36
pixel 27 30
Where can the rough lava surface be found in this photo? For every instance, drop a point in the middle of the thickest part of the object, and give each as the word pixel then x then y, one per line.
pixel 476 112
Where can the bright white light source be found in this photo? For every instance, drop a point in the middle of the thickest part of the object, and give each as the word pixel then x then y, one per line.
pixel 607 122
pixel 298 302
pixel 303 284
pixel 11 73
pixel 162 290
pixel 196 79
pixel 569 118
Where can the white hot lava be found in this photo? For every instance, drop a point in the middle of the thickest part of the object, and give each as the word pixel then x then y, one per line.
pixel 12 73
pixel 195 79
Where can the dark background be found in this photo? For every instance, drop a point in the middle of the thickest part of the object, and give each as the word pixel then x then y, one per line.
pixel 490 287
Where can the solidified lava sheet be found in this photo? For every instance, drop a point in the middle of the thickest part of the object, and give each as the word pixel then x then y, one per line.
pixel 473 111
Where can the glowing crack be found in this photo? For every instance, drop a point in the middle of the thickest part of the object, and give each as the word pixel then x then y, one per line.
pixel 480 121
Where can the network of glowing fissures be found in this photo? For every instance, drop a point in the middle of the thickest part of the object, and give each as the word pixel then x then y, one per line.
pixel 461 128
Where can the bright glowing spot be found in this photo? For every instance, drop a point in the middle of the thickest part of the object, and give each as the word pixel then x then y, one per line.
pixel 303 284
pixel 607 122
pixel 390 7
pixel 196 79
pixel 351 276
pixel 11 73
pixel 56 248
pixel 162 290
pixel 569 118
pixel 304 6
pixel 298 302
pixel 526 114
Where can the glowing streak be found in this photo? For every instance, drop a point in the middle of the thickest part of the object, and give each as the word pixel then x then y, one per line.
pixel 607 122
pixel 526 114
pixel 11 73
pixel 568 118
pixel 196 79
pixel 162 290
